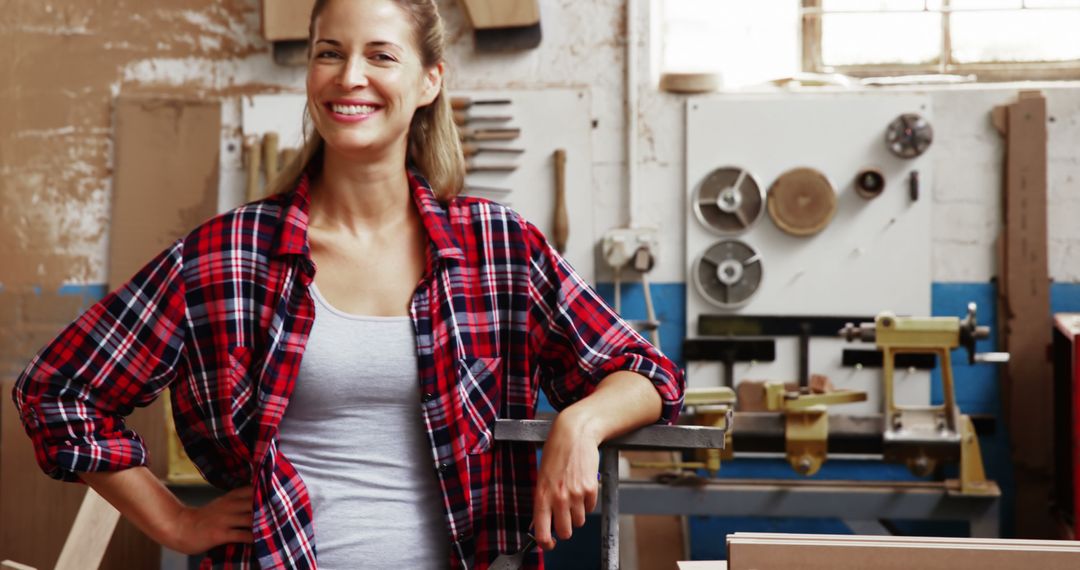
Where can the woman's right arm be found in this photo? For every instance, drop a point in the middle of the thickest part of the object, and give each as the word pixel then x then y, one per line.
pixel 142 499
pixel 74 395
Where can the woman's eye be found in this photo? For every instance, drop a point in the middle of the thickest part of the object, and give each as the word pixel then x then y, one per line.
pixel 384 57
pixel 326 54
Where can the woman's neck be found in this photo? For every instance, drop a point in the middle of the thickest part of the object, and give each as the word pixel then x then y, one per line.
pixel 360 197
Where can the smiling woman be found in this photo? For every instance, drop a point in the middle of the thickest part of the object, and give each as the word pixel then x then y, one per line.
pixel 433 145
pixel 339 351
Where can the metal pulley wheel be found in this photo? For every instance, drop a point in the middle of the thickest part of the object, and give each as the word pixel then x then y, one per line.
pixel 909 135
pixel 728 273
pixel 729 200
pixel 802 201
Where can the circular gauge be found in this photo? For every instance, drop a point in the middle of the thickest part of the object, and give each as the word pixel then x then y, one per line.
pixel 729 200
pixel 909 135
pixel 728 273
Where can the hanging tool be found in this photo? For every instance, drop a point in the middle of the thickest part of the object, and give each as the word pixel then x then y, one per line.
pixel 562 219
pixel 253 160
pixel 461 118
pixel 473 150
pixel 470 166
pixel 502 25
pixel 464 103
pixel 498 134
pixel 270 156
pixel 288 155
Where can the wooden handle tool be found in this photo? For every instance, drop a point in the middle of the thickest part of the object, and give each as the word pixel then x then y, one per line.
pixel 288 155
pixel 562 218
pixel 253 158
pixel 462 103
pixel 471 134
pixel 469 149
pixel 270 156
pixel 461 118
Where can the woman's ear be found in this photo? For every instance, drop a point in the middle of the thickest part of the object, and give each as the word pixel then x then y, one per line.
pixel 433 79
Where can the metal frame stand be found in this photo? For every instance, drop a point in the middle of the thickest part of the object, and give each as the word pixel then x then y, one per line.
pixel 650 437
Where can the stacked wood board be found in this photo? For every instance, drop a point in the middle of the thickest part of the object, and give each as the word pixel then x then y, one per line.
pixel 764 551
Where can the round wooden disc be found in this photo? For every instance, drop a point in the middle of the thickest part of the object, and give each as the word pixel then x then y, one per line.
pixel 802 201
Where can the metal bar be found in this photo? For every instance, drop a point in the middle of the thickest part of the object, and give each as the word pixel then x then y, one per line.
pixel 799 499
pixel 609 509
pixel 649 437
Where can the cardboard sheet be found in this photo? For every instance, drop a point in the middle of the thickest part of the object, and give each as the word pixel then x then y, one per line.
pixel 166 177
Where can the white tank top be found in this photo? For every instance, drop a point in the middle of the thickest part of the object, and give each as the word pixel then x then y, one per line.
pixel 354 431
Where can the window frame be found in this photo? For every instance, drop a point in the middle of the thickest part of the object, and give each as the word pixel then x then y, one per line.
pixel 810 16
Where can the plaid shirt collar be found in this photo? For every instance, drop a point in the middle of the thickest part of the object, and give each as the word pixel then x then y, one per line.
pixel 293 235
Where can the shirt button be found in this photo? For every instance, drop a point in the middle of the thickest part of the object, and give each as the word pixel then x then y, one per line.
pixel 443 467
pixel 428 397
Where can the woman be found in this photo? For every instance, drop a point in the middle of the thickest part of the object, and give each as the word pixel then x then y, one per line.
pixel 429 317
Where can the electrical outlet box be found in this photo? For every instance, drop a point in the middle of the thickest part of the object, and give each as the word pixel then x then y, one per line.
pixel 619 245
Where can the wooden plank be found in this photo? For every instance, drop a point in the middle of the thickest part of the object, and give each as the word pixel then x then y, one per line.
pixel 844 552
pixel 166 177
pixel 90 534
pixel 1024 306
pixel 286 19
pixel 486 14
pixel 933 540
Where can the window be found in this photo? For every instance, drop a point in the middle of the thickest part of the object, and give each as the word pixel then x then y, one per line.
pixel 752 41
pixel 993 39
pixel 746 42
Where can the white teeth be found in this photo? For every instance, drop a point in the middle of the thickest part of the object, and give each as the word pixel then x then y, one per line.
pixel 353 109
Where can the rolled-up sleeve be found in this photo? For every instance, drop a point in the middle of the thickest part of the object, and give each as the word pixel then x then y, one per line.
pixel 120 354
pixel 577 340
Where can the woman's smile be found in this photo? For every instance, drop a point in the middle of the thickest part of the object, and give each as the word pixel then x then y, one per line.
pixel 349 111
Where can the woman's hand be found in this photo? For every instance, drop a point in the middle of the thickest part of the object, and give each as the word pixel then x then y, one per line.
pixel 194 530
pixel 566 485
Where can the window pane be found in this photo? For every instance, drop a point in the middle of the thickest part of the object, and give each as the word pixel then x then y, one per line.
pixel 976 4
pixel 859 39
pixel 1053 3
pixel 1026 35
pixel 874 5
pixel 746 42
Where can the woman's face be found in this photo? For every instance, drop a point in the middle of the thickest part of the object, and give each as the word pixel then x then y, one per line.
pixel 365 76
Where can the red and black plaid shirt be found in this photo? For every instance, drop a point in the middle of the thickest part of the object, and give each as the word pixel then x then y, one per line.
pixel 222 316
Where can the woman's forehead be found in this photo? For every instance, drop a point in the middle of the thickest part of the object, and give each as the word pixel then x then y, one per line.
pixel 366 21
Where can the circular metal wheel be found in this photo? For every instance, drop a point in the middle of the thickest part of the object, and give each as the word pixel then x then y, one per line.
pixel 802 201
pixel 728 273
pixel 728 200
pixel 909 135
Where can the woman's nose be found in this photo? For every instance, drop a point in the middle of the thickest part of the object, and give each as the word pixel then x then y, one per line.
pixel 353 73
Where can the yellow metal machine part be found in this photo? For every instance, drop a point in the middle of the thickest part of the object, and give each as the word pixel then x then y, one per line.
pixel 711 407
pixel 806 423
pixel 921 436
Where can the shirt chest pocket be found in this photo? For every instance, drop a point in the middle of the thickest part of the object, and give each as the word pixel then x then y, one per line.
pixel 480 386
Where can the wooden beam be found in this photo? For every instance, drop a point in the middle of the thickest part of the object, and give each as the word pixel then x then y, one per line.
pixel 1024 310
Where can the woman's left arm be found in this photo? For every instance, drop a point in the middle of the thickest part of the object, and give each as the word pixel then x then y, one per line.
pixel 566 487
pixel 602 376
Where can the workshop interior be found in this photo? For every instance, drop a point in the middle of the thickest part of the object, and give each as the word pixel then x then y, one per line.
pixel 853 224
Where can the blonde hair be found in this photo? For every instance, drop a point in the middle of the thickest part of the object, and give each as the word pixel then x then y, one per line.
pixel 433 146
